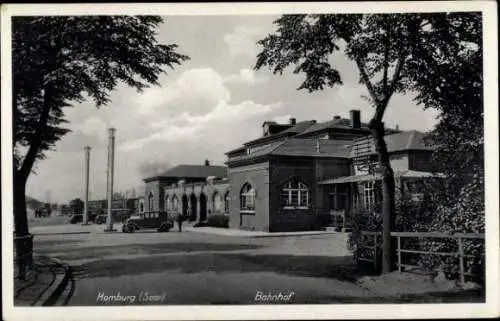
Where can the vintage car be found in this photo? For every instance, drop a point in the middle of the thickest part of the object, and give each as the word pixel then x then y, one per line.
pixel 100 219
pixel 160 221
pixel 76 218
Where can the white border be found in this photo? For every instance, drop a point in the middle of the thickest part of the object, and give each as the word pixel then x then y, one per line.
pixel 339 311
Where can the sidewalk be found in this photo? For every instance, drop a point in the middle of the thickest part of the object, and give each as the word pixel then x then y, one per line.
pixel 244 233
pixel 43 285
pixel 72 229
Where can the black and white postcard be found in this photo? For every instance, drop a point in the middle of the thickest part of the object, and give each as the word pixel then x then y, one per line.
pixel 250 161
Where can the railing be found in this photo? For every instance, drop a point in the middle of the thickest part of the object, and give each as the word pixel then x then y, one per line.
pixel 458 237
pixel 23 254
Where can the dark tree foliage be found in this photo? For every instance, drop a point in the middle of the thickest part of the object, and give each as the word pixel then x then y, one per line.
pixel 61 61
pixel 393 53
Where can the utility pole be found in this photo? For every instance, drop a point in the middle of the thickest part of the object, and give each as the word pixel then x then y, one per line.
pixel 111 160
pixel 86 199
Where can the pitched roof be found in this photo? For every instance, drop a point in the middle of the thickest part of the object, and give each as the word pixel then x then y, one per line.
pixel 407 140
pixel 194 171
pixel 296 129
pixel 343 123
pixel 313 148
pixel 299 148
pixel 403 141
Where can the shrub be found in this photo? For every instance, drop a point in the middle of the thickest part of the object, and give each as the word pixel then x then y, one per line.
pixel 218 220
pixel 436 212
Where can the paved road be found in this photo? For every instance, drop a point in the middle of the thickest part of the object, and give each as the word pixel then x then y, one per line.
pixel 198 268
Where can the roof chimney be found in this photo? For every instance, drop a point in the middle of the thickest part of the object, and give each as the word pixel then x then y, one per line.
pixel 336 117
pixel 355 118
pixel 397 127
pixel 207 162
pixel 293 121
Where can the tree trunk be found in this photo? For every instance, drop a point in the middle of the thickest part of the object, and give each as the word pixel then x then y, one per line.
pixel 20 212
pixel 388 194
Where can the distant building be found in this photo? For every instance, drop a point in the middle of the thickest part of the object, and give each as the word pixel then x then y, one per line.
pixel 294 177
pixel 193 190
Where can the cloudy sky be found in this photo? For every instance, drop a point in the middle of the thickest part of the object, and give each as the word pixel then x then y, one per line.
pixel 204 108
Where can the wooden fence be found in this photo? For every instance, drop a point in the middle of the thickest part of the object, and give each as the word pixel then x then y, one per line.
pixel 373 241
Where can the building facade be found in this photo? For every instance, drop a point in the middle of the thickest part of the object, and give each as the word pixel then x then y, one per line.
pixel 196 191
pixel 296 176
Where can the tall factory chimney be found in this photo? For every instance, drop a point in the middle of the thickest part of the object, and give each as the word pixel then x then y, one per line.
pixel 111 165
pixel 86 196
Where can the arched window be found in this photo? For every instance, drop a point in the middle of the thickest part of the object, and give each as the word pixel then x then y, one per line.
pixel 174 203
pixel 217 202
pixel 295 194
pixel 247 198
pixel 150 202
pixel 227 203
pixel 168 203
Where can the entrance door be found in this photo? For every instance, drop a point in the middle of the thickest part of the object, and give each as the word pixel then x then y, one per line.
pixel 193 208
pixel 203 208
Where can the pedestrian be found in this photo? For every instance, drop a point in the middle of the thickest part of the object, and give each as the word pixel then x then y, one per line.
pixel 180 218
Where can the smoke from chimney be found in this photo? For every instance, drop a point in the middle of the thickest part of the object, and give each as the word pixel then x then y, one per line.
pixel 152 168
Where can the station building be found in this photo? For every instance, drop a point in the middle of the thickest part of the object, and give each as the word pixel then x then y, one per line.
pixel 296 176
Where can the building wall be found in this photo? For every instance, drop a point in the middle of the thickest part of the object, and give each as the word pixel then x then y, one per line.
pixel 152 188
pixel 281 171
pixel 326 169
pixel 208 189
pixel 420 161
pixel 399 161
pixel 258 176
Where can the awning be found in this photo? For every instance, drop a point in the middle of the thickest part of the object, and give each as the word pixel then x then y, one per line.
pixel 378 176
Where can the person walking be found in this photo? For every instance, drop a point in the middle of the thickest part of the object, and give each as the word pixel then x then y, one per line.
pixel 180 218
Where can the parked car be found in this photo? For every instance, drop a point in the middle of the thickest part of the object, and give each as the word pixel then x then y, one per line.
pixel 100 219
pixel 160 221
pixel 76 218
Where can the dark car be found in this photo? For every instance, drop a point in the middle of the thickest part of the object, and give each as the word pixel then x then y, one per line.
pixel 160 221
pixel 76 218
pixel 100 219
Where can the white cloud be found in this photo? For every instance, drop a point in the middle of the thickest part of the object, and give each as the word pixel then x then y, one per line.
pixel 246 77
pixel 243 40
pixel 195 91
pixel 225 117
pixel 94 127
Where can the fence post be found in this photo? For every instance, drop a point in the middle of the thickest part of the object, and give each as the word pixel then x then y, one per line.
pixel 399 254
pixel 375 250
pixel 461 261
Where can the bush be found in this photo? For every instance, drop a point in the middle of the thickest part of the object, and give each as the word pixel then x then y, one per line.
pixel 435 213
pixel 218 220
pixel 200 224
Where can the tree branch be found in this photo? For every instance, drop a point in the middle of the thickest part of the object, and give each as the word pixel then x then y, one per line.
pixel 395 77
pixel 367 81
pixel 386 65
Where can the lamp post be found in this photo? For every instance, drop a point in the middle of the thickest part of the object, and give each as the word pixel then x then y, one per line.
pixel 86 198
pixel 111 160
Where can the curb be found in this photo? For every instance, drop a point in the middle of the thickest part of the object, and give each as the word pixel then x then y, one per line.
pixel 52 293
pixel 263 234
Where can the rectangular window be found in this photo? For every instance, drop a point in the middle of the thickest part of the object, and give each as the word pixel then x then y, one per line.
pixel 369 195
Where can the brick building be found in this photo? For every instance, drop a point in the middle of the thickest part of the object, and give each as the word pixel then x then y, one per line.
pixel 296 176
